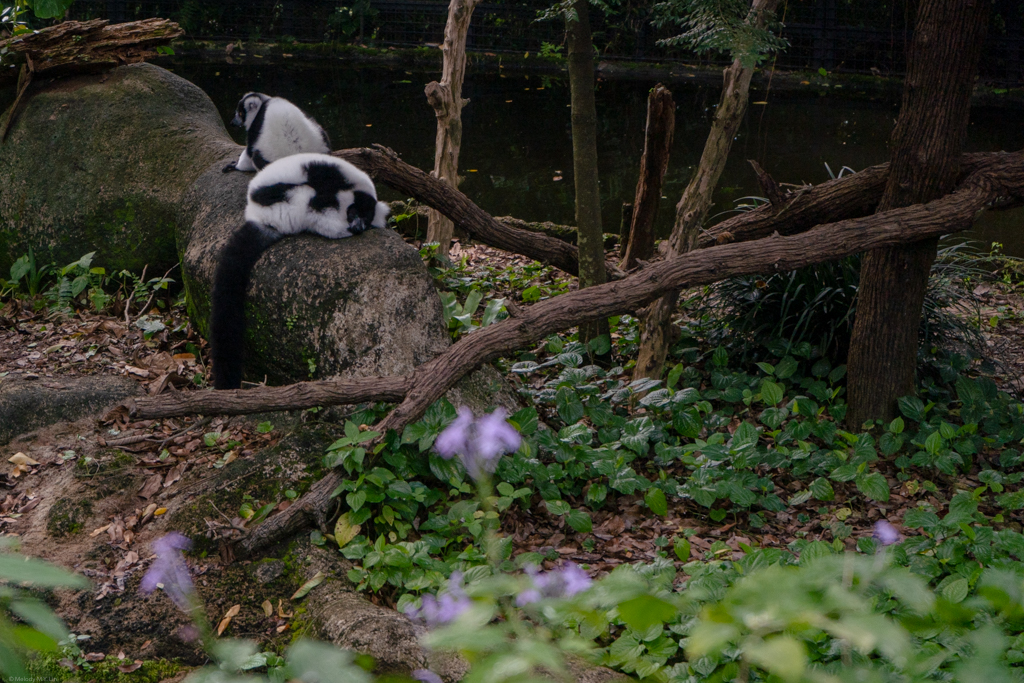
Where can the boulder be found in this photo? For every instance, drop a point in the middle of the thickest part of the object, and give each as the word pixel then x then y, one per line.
pixel 100 162
pixel 359 306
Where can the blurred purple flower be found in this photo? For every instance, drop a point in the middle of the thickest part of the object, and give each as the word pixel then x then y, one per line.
pixel 885 533
pixel 170 572
pixel 478 443
pixel 456 436
pixel 426 675
pixel 438 611
pixel 564 582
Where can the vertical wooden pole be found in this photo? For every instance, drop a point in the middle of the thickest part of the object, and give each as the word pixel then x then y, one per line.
pixel 655 324
pixel 661 124
pixel 446 99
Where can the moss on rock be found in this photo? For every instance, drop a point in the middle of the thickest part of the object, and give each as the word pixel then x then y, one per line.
pixel 317 308
pixel 99 163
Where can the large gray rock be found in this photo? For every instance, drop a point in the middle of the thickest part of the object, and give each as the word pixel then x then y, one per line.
pixel 317 307
pixel 99 163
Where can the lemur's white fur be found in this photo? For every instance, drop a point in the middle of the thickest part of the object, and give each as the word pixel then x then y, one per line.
pixel 283 129
pixel 294 214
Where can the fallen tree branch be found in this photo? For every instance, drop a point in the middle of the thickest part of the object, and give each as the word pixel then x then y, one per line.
pixel 850 196
pixel 384 165
pixel 952 213
pixel 266 399
pixel 88 46
pixel 1002 176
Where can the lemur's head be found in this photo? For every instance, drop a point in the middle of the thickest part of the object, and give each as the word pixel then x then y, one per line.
pixel 247 107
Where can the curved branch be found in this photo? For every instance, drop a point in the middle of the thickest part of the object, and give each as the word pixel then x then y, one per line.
pixel 952 213
pixel 384 165
pixel 850 196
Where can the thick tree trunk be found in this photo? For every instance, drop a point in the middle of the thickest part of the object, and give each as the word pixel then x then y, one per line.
pixel 927 144
pixel 661 125
pixel 590 239
pixel 655 324
pixel 446 99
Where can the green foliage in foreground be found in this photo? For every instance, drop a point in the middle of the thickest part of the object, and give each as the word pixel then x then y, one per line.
pixel 26 623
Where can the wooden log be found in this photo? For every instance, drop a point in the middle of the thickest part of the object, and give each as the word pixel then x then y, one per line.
pixel 384 165
pixel 850 196
pixel 87 46
pixel 446 100
pixel 296 396
pixel 952 213
pixel 661 125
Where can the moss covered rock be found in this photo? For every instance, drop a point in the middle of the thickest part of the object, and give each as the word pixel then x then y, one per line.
pixel 360 306
pixel 99 163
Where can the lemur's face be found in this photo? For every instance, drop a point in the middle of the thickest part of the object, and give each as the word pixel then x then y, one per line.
pixel 247 108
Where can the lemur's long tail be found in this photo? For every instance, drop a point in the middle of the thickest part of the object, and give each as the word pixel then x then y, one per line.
pixel 227 318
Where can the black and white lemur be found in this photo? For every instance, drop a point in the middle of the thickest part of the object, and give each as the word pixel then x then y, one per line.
pixel 313 193
pixel 275 128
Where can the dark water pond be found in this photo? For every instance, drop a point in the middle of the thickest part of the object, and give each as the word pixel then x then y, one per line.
pixel 517 147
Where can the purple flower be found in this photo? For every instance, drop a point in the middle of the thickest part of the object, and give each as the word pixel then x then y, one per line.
pixel 426 675
pixel 885 533
pixel 478 443
pixel 456 436
pixel 438 611
pixel 564 582
pixel 170 572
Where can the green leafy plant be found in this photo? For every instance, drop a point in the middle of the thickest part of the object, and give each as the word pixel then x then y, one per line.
pixel 816 306
pixel 26 623
pixel 25 269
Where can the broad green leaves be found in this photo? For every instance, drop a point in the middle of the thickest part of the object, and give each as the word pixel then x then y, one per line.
pixel 48 9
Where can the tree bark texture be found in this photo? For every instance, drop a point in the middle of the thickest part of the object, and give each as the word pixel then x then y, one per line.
pixel 661 124
pixel 446 99
pixel 927 144
pixel 75 47
pixel 850 196
pixel 584 156
pixel 952 213
pixel 655 324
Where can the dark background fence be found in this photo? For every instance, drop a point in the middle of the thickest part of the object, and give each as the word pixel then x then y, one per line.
pixel 860 36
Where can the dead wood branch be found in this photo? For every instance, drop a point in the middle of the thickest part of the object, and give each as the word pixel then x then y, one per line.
pixel 24 80
pixel 661 125
pixel 447 101
pixel 384 165
pixel 850 196
pixel 1002 177
pixel 292 397
pixel 768 185
pixel 88 46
